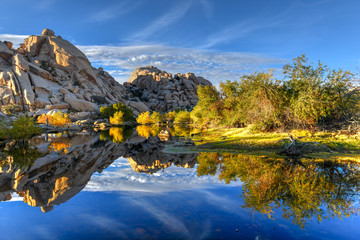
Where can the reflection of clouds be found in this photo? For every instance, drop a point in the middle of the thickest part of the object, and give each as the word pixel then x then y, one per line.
pixel 173 222
pixel 121 177
pixel 107 224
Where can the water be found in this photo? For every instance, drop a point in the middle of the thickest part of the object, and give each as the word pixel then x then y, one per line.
pixel 88 187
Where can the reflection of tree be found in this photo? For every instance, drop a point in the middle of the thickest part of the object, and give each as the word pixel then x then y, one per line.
pixel 60 145
pixel 147 131
pixel 302 190
pixel 116 134
pixel 19 155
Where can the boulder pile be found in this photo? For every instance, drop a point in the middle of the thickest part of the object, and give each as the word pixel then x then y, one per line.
pixel 161 91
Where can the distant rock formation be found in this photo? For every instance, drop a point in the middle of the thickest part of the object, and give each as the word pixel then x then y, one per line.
pixel 161 91
pixel 48 72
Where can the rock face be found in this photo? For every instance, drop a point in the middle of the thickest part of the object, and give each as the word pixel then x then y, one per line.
pixel 161 91
pixel 48 70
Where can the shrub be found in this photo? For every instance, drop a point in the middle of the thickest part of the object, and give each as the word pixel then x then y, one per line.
pixel 58 119
pixel 182 117
pixel 107 112
pixel 22 128
pixel 156 117
pixel 144 118
pixel 117 118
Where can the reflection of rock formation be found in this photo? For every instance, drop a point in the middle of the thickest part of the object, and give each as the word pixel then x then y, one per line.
pixel 68 164
pixel 58 176
pixel 148 157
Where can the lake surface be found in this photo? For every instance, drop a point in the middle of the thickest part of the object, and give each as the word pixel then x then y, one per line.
pixel 121 185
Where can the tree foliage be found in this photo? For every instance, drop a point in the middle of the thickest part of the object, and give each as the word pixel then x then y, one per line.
pixel 308 96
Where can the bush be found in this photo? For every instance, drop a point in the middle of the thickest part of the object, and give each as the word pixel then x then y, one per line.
pixel 182 117
pixel 156 117
pixel 58 119
pixel 144 118
pixel 23 127
pixel 107 112
pixel 117 118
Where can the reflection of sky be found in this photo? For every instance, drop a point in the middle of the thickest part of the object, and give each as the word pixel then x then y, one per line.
pixel 121 177
pixel 171 204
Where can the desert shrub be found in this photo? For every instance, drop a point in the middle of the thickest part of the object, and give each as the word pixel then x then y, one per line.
pixel 182 117
pixel 156 117
pixel 117 118
pixel 169 116
pixel 22 128
pixel 107 112
pixel 58 119
pixel 144 118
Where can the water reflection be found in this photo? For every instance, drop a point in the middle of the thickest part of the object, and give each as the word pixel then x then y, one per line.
pixel 303 190
pixel 53 168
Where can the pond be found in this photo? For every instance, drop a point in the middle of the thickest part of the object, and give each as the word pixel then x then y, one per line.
pixel 120 184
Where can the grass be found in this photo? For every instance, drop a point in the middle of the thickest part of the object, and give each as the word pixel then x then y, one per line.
pixel 246 141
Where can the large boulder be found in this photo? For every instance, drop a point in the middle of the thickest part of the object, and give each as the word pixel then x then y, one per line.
pixel 161 91
pixel 33 75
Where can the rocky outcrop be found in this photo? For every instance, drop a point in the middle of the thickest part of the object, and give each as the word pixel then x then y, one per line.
pixel 48 71
pixel 161 91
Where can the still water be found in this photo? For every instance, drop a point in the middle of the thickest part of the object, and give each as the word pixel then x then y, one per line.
pixel 121 185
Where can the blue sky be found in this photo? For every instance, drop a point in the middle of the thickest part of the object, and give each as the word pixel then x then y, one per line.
pixel 216 39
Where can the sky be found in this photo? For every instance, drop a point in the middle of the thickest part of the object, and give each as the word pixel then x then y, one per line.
pixel 217 39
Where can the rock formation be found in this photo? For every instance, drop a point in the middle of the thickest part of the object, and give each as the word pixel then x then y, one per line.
pixel 161 91
pixel 48 72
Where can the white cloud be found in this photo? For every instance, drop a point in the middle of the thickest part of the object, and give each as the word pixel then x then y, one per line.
pixel 121 61
pixel 121 177
pixel 213 65
pixel 15 39
pixel 164 21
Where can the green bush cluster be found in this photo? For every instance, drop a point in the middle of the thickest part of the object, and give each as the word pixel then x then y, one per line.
pixel 176 116
pixel 308 96
pixel 117 113
pixel 22 128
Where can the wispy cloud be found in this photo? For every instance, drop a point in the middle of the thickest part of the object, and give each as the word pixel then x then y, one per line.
pixel 115 11
pixel 121 61
pixel 213 65
pixel 238 30
pixel 166 20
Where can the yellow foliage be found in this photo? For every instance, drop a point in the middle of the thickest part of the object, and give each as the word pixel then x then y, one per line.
pixel 144 131
pixel 57 119
pixel 144 118
pixel 60 145
pixel 117 118
pixel 116 134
